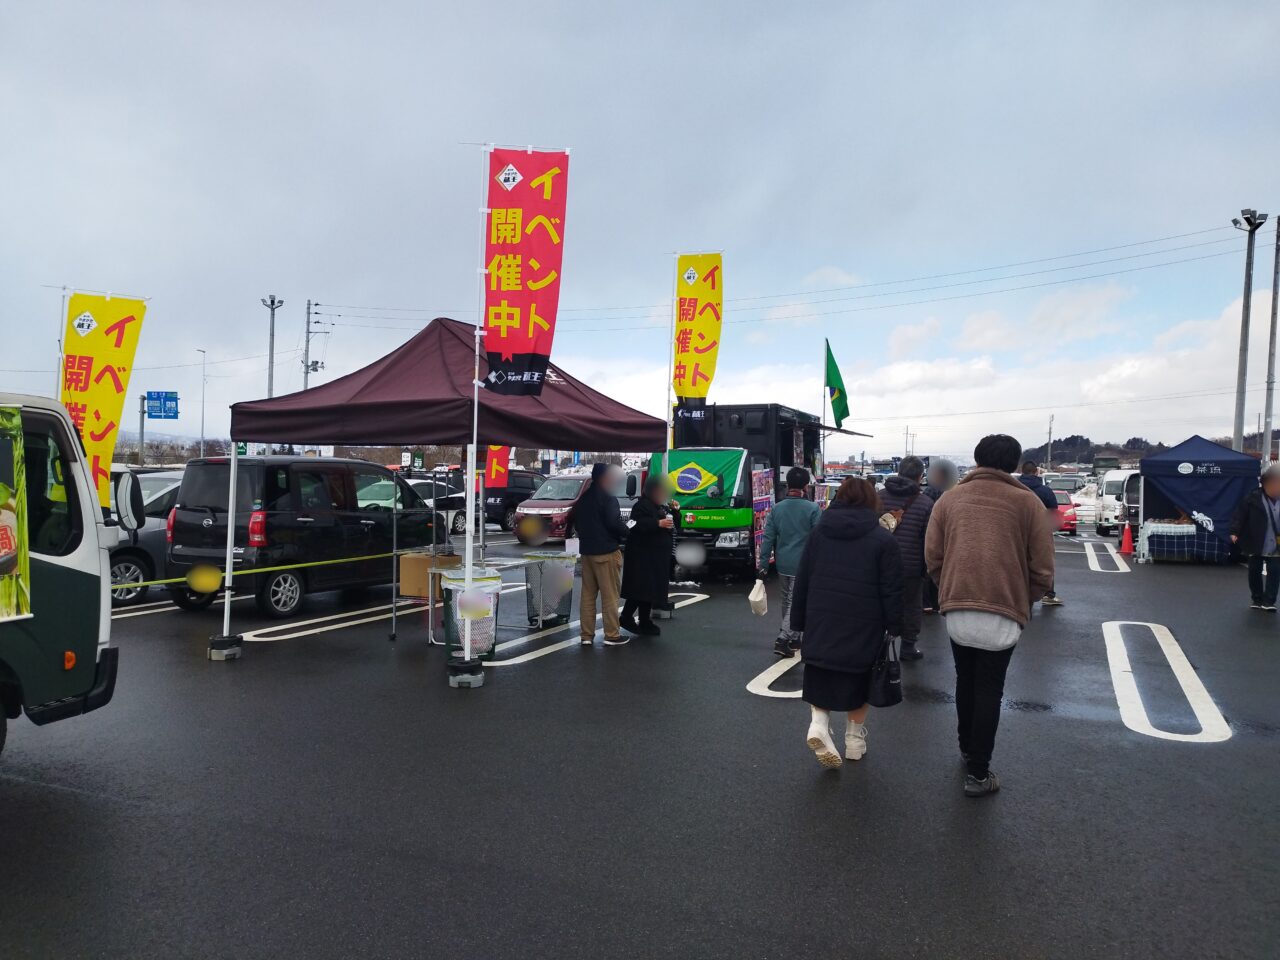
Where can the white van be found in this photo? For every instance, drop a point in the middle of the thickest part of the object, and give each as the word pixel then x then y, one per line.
pixel 55 544
pixel 1111 510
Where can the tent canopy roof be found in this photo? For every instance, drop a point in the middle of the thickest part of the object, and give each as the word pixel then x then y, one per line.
pixel 420 393
pixel 1216 460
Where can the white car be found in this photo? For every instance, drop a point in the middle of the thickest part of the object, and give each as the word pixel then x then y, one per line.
pixel 448 500
pixel 1111 508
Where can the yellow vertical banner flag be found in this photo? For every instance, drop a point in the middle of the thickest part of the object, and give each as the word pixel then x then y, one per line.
pixel 97 358
pixel 699 308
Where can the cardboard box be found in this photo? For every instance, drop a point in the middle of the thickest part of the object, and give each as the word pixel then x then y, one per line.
pixel 415 572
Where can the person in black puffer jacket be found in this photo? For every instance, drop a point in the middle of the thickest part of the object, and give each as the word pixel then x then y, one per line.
pixel 1032 480
pixel 903 493
pixel 848 592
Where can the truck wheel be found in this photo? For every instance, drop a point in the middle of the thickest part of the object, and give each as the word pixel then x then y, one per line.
pixel 126 569
pixel 509 519
pixel 459 524
pixel 280 594
pixel 188 599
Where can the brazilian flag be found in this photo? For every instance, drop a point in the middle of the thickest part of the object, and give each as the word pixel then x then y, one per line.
pixel 835 387
pixel 690 478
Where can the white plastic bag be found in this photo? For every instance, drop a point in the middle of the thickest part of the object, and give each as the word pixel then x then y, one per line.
pixel 759 599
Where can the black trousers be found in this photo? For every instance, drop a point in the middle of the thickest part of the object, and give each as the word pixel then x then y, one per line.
pixel 1264 592
pixel 930 594
pixel 979 690
pixel 630 607
pixel 912 607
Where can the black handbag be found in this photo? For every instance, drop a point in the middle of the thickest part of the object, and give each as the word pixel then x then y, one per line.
pixel 885 688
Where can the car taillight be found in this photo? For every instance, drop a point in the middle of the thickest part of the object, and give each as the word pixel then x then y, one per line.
pixel 168 525
pixel 258 528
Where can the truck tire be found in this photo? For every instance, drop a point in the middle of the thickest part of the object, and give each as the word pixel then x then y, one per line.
pixel 280 594
pixel 187 599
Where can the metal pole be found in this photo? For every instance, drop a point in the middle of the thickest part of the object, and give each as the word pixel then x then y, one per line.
pixel 671 354
pixel 395 547
pixel 142 428
pixel 1251 224
pixel 57 367
pixel 1271 348
pixel 1048 453
pixel 306 350
pixel 203 380
pixel 822 436
pixel 272 303
pixel 227 647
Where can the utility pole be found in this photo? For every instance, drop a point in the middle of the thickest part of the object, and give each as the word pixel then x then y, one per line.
pixel 1249 221
pixel 309 366
pixel 1271 348
pixel 272 304
pixel 203 380
pixel 142 427
pixel 1048 453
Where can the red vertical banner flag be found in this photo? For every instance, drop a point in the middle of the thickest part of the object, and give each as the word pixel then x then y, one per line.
pixel 495 471
pixel 524 251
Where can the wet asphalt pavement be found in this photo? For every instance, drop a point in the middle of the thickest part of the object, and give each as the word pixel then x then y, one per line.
pixel 330 796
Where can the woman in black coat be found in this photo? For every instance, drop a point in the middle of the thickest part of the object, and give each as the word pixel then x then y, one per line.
pixel 848 592
pixel 646 568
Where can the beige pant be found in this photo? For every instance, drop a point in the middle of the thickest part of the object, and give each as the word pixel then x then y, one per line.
pixel 601 574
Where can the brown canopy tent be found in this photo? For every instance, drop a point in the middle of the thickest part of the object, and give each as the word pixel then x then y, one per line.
pixel 424 392
pixel 421 393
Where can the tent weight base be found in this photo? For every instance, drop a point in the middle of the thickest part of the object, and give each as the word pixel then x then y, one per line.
pixel 225 648
pixel 465 673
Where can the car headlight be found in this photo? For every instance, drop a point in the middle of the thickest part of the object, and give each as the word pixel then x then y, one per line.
pixel 734 538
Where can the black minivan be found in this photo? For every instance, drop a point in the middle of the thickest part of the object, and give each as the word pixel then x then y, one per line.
pixel 289 510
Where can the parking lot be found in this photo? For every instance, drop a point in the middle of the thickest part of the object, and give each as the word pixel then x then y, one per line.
pixel 328 795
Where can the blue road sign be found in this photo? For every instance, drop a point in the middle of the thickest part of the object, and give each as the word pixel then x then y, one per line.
pixel 162 405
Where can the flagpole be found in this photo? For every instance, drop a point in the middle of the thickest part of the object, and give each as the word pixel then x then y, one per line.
pixel 671 352
pixel 822 446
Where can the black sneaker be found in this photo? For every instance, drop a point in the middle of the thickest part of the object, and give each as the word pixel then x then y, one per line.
pixel 973 787
pixel 782 649
pixel 1269 607
pixel 629 624
pixel 650 629
pixel 910 651
pixel 1256 605
pixel 616 641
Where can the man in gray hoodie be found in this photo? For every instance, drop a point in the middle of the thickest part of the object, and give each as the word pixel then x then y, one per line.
pixel 785 533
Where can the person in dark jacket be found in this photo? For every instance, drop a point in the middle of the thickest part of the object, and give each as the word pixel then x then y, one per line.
pixel 848 592
pixel 903 493
pixel 598 524
pixel 1032 480
pixel 646 570
pixel 785 533
pixel 941 477
pixel 1255 529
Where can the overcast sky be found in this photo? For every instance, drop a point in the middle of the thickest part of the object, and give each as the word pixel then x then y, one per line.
pixel 206 155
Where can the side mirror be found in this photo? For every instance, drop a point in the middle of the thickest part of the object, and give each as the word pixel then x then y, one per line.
pixel 129 502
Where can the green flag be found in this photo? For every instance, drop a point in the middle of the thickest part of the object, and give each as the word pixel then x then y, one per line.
pixel 835 387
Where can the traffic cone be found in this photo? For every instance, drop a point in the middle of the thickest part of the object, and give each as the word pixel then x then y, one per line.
pixel 1126 542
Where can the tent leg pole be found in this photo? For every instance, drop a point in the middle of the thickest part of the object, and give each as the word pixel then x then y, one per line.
pixel 227 646
pixel 395 559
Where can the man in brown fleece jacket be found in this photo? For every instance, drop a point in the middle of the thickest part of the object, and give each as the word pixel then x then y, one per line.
pixel 989 547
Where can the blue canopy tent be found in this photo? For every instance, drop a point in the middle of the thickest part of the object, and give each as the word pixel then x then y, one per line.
pixel 1203 480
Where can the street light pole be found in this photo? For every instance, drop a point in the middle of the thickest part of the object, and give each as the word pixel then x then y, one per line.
pixel 203 380
pixel 1249 221
pixel 1271 347
pixel 1048 453
pixel 272 304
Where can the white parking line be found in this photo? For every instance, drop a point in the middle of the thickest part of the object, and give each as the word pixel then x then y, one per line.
pixel 564 644
pixel 761 684
pixel 1092 555
pixel 270 635
pixel 1213 727
pixel 167 606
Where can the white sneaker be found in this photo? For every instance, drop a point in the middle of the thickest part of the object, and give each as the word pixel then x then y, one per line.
pixel 855 741
pixel 823 746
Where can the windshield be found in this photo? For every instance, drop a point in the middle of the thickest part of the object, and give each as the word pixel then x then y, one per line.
pixel 1113 488
pixel 153 486
pixel 560 488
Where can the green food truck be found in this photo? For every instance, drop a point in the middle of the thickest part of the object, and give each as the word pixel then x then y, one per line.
pixel 55 612
pixel 713 487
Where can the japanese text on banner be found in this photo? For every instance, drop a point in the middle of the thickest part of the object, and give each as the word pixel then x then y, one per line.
pixel 699 306
pixel 524 251
pixel 97 358
pixel 495 474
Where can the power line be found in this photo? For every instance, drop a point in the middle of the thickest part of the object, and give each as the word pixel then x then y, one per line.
pixel 167 366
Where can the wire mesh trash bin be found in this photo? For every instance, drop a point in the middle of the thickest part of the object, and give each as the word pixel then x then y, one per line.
pixel 549 588
pixel 479 605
